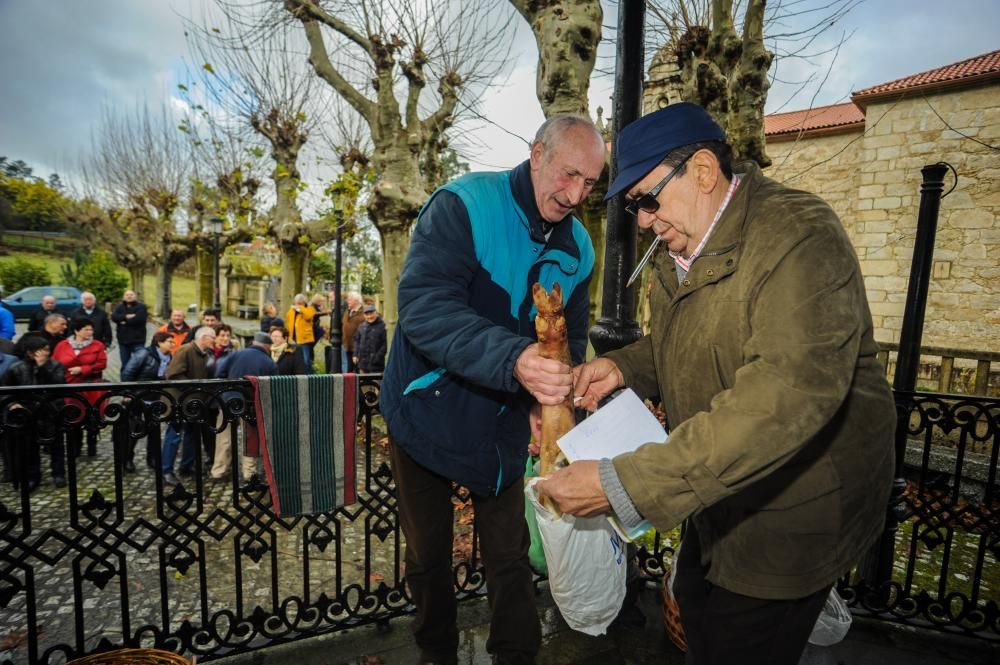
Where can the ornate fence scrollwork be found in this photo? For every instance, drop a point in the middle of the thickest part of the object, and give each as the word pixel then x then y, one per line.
pixel 207 568
pixel 946 521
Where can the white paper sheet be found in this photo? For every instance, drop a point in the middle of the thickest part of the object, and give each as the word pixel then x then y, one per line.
pixel 620 426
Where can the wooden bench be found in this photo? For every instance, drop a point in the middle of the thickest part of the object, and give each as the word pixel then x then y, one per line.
pixel 247 312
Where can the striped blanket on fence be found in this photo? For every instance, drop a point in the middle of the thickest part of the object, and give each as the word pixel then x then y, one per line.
pixel 305 430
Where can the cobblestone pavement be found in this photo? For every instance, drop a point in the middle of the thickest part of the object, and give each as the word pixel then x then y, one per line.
pixel 184 559
pixel 114 552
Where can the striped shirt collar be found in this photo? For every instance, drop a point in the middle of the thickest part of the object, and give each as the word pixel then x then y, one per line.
pixel 685 263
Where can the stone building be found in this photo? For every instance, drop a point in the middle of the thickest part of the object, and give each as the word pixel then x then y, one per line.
pixel 865 156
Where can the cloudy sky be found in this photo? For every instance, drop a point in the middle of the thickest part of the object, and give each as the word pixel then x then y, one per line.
pixel 62 60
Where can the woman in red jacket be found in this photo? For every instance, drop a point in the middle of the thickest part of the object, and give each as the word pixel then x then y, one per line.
pixel 84 359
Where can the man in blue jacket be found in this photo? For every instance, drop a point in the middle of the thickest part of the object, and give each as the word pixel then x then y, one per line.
pixel 255 360
pixel 464 372
pixel 6 321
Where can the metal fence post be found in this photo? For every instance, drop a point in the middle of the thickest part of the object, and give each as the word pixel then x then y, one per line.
pixel 876 567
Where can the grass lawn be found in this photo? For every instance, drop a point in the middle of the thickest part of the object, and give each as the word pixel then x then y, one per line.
pixel 184 288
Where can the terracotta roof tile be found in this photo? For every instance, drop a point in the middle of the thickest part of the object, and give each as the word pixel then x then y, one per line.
pixel 820 117
pixel 981 65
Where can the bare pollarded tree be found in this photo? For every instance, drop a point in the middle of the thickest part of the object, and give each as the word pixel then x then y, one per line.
pixel 138 170
pixel 253 72
pixel 722 54
pixel 408 68
pixel 567 33
pixel 227 172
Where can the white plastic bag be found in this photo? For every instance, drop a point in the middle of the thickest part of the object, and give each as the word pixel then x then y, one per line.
pixel 586 561
pixel 833 622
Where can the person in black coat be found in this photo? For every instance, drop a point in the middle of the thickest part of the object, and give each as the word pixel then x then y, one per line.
pixel 146 364
pixel 54 330
pixel 130 317
pixel 149 363
pixel 255 360
pixel 270 318
pixel 98 318
pixel 34 367
pixel 370 343
pixel 287 356
pixel 37 320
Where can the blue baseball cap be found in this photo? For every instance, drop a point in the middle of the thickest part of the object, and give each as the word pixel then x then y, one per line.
pixel 645 142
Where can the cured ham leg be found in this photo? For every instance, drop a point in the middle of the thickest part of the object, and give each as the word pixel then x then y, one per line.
pixel 550 327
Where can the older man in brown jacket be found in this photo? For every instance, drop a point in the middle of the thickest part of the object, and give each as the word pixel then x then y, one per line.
pixel 780 452
pixel 193 361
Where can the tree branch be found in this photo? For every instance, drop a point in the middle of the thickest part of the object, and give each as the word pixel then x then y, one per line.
pixel 320 61
pixel 297 8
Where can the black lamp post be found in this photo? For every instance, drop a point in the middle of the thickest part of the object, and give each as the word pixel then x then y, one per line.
pixel 217 224
pixel 333 361
pixel 617 326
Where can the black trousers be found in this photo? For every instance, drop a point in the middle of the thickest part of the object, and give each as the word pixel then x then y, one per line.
pixel 427 517
pixel 722 627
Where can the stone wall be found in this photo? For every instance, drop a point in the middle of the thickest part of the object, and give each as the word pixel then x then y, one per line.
pixel 874 184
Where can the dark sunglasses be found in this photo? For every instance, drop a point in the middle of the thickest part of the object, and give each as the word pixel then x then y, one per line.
pixel 647 202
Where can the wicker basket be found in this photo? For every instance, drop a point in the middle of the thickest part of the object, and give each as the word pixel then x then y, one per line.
pixel 672 615
pixel 132 657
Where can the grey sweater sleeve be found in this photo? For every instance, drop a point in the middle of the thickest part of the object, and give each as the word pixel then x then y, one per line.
pixel 620 501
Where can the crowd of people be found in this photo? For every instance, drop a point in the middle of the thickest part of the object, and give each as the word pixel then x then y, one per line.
pixel 59 349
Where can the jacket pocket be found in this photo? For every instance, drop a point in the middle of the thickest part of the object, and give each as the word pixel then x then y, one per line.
pixel 798 530
pixel 457 423
pixel 724 372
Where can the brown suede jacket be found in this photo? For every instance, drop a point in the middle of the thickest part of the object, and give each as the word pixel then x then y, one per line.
pixel 781 449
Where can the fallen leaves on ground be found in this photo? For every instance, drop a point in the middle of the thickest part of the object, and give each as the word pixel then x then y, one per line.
pixel 461 549
pixel 17 639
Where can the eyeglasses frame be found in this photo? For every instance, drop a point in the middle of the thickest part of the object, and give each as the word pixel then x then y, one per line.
pixel 648 201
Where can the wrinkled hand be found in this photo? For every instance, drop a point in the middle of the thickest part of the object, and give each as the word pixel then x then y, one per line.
pixel 535 420
pixel 548 381
pixel 595 380
pixel 577 489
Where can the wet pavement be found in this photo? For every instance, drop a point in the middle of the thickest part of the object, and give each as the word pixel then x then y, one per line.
pixel 868 643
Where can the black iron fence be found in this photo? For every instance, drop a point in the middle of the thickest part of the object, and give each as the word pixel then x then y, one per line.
pixel 207 568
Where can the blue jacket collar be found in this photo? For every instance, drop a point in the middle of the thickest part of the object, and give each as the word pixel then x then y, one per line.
pixel 561 237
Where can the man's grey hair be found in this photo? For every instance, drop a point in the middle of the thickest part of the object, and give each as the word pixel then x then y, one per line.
pixel 54 316
pixel 204 331
pixel 300 299
pixel 553 129
pixel 48 296
pixel 85 294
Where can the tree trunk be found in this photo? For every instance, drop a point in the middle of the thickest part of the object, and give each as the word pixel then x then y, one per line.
pixel 136 275
pixel 286 225
pixel 396 200
pixel 593 214
pixel 394 247
pixel 205 274
pixel 294 268
pixel 567 33
pixel 163 284
pixel 727 75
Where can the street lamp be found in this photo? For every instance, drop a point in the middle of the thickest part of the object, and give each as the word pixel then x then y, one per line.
pixel 217 225
pixel 333 352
